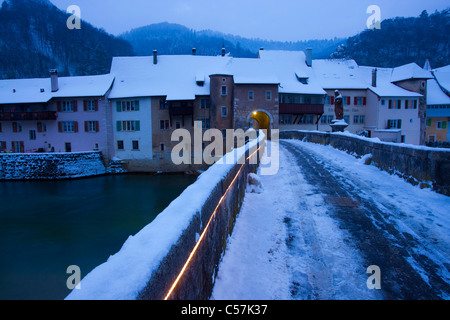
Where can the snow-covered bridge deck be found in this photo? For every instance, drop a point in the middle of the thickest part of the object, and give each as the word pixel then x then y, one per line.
pixel 323 219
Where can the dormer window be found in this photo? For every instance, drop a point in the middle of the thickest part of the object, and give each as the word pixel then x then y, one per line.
pixel 200 80
pixel 302 78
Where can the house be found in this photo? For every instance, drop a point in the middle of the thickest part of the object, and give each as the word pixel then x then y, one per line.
pixel 153 96
pixel 56 114
pixel 438 111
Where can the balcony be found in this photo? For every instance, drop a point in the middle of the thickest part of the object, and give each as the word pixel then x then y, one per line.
pixel 296 108
pixel 181 108
pixel 28 116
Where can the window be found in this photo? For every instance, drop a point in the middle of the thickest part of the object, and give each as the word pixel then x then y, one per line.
pixel 360 101
pixel 123 106
pixel 41 127
pixel 250 95
pixel 205 103
pixel 441 124
pixel 135 144
pixel 162 147
pixel 394 124
pixel 224 90
pixel 0 127
pixel 68 106
pixel 2 145
pixel 224 112
pixel 329 119
pixel 347 119
pixel 68 146
pixel 32 134
pixel 128 125
pixel 383 102
pixel 91 126
pixel 403 139
pixel 120 145
pixel 355 119
pixel 91 105
pixel 68 126
pixel 285 119
pixel 327 100
pixel 428 122
pixel 17 127
pixel 362 119
pixel 395 104
pixel 163 104
pixel 268 95
pixel 17 146
pixel 309 119
pixel 177 124
pixel 205 123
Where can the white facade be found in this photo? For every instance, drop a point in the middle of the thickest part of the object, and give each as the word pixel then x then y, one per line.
pixel 132 125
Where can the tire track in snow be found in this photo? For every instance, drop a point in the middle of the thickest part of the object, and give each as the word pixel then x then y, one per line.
pixel 372 233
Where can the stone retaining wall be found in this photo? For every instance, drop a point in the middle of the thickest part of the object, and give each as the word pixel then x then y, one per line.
pixel 50 166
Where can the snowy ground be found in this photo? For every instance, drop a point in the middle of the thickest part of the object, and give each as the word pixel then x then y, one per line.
pixel 323 219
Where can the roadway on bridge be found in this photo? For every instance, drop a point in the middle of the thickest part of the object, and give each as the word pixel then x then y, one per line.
pixel 312 230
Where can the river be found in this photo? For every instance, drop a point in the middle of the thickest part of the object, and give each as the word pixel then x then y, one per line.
pixel 47 226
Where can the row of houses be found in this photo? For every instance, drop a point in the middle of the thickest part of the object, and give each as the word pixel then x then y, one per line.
pixel 132 112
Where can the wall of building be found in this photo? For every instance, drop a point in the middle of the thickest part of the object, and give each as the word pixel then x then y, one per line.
pixel 416 164
pixel 143 134
pixel 244 107
pixel 435 132
pixel 218 120
pixel 51 166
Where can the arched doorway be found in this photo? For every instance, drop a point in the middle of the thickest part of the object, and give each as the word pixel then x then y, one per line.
pixel 260 119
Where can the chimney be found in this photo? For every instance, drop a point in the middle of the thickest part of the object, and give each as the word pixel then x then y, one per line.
pixel 308 54
pixel 155 57
pixel 54 80
pixel 261 49
pixel 374 77
pixel 194 51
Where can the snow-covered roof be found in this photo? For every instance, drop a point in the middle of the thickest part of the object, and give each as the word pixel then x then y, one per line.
pixel 384 86
pixel 435 95
pixel 338 74
pixel 289 67
pixel 409 71
pixel 177 76
pixel 38 90
pixel 442 75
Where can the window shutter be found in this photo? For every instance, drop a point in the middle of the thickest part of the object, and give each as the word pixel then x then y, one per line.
pixel 444 124
pixel 75 126
pixel 97 126
pixel 22 146
pixel 137 126
pixel 364 101
pixel 355 100
pixel 60 126
pixel 96 104
pixel 136 105
pixel 119 106
pixel 390 104
pixel 348 101
pixel 119 125
pixel 58 106
pixel 399 104
pixel 14 126
pixel 415 104
pixel 399 124
pixel 332 100
pixel 85 105
pixel 39 127
pixel 86 126
pixel 75 106
pixel 13 147
pixel 428 122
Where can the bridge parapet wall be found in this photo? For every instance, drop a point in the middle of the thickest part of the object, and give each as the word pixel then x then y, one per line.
pixel 419 165
pixel 177 255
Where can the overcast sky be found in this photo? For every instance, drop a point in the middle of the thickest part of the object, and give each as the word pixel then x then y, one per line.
pixel 285 20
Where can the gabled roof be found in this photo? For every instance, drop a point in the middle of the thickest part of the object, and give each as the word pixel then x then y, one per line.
pixel 435 95
pixel 289 67
pixel 338 74
pixel 442 76
pixel 38 90
pixel 384 86
pixel 177 76
pixel 409 71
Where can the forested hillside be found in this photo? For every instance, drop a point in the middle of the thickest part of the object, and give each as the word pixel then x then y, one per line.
pixel 34 38
pixel 401 41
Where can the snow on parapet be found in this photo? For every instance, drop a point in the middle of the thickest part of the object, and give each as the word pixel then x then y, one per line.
pixel 125 274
